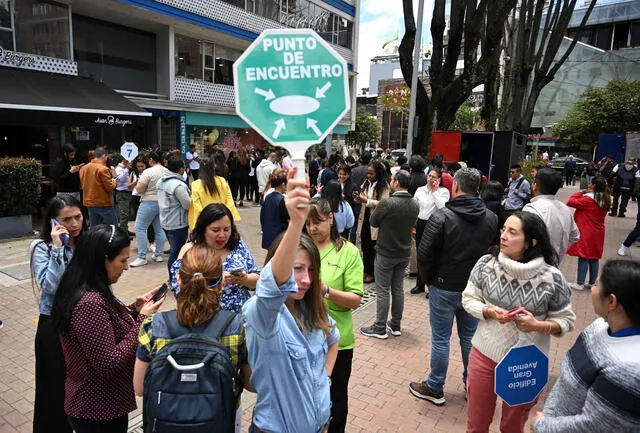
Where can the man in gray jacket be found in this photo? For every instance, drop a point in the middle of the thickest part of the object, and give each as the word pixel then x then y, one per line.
pixel 396 216
pixel 174 199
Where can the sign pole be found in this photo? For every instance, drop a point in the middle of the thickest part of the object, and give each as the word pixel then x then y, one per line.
pixel 414 80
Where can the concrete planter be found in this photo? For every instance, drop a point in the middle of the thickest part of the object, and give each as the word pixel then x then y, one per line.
pixel 15 226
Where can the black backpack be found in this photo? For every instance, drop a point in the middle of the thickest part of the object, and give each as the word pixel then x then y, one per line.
pixel 190 385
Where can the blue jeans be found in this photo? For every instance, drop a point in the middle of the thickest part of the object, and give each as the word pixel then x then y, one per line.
pixel 591 265
pixel 444 306
pixel 149 214
pixel 177 238
pixel 102 215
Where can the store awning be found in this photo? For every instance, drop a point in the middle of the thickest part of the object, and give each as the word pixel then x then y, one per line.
pixel 47 92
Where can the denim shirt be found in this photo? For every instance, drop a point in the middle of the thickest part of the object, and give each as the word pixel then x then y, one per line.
pixel 516 201
pixel 288 370
pixel 48 263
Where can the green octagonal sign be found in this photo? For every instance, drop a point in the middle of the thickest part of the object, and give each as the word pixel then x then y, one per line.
pixel 291 87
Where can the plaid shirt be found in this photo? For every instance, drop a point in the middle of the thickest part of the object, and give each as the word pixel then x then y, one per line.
pixel 154 335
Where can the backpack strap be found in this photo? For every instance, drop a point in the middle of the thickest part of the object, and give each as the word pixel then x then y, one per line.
pixel 173 326
pixel 219 323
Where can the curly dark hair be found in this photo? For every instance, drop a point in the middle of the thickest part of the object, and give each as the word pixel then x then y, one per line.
pixel 210 214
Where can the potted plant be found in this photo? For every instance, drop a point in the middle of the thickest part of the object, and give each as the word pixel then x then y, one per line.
pixel 19 195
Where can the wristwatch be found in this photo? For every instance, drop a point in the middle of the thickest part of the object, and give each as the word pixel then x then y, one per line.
pixel 326 294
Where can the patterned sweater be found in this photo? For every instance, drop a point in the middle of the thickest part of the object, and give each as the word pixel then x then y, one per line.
pixel 599 386
pixel 538 287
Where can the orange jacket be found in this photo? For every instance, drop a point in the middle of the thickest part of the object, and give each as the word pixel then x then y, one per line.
pixel 97 184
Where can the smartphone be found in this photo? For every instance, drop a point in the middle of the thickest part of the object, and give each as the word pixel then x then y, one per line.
pixel 64 238
pixel 514 312
pixel 160 293
pixel 237 271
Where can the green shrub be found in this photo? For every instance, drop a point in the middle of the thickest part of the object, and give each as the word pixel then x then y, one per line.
pixel 19 186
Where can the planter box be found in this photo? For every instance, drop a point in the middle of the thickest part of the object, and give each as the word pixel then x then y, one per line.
pixel 15 226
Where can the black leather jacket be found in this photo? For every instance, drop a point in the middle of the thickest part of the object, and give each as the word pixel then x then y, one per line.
pixel 454 238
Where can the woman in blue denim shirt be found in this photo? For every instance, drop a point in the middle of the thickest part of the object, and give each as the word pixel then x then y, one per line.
pixel 215 229
pixel 50 255
pixel 291 340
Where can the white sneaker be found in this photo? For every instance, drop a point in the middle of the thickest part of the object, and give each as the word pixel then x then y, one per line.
pixel 158 259
pixel 623 251
pixel 152 248
pixel 138 262
pixel 577 286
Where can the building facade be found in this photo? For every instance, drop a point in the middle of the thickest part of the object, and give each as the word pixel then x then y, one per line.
pixel 156 72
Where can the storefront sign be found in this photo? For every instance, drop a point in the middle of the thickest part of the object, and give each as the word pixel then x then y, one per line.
pixel 17 59
pixel 112 121
pixel 521 375
pixel 291 87
pixel 183 133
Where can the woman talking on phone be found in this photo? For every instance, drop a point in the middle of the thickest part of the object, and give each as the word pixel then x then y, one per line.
pixel 215 229
pixel 292 341
pixel 518 295
pixel 50 255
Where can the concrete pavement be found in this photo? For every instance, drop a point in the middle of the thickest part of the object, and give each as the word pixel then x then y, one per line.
pixel 379 397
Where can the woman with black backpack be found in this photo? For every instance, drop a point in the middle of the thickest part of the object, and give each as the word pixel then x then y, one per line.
pixel 201 284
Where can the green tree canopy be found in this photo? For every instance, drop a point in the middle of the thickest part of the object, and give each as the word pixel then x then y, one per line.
pixel 367 129
pixel 614 109
pixel 466 118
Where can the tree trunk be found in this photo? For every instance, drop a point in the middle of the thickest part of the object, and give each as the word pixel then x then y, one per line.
pixel 422 139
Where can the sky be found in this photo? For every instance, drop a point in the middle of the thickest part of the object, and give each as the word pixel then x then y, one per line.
pixel 380 20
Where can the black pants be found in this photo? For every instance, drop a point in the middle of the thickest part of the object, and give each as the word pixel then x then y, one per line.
pixel 635 233
pixel 253 189
pixel 620 196
pixel 118 425
pixel 195 174
pixel 339 391
pixel 48 410
pixel 420 225
pixel 569 176
pixel 242 187
pixel 368 245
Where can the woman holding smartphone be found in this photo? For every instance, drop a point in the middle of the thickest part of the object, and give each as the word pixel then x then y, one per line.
pixel 215 229
pixel 292 341
pixel 520 276
pixel 50 256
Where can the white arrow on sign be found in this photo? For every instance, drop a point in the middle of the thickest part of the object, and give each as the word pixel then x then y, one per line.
pixel 268 95
pixel 313 124
pixel 280 125
pixel 322 90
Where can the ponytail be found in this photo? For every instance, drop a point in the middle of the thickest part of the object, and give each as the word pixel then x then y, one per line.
pixel 201 284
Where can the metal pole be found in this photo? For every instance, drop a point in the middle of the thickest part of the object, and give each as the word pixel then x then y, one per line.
pixel 414 79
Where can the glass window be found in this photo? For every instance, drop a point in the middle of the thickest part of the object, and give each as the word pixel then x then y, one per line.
pixel 621 36
pixel 224 64
pixel 268 8
pixel 603 40
pixel 189 58
pixel 635 34
pixel 121 57
pixel 6 29
pixel 208 55
pixel 6 39
pixel 42 28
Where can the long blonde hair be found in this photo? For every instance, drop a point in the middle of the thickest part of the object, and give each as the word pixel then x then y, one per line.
pixel 200 286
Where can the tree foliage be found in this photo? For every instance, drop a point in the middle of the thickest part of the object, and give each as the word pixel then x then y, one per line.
pixel 367 130
pixel 396 100
pixel 614 109
pixel 467 118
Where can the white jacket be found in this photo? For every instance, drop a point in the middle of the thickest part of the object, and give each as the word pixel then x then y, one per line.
pixel 263 171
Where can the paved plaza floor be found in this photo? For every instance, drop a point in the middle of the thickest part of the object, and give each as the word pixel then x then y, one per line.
pixel 379 400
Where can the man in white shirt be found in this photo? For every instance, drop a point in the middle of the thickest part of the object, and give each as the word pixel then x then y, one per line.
pixel 264 169
pixel 556 215
pixel 193 160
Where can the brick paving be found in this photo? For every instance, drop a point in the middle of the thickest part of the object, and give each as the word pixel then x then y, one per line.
pixel 379 397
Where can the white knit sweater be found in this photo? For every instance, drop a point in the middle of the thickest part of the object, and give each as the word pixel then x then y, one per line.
pixel 538 287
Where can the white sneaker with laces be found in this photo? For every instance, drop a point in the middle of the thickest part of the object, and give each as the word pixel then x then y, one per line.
pixel 623 251
pixel 158 259
pixel 152 248
pixel 138 262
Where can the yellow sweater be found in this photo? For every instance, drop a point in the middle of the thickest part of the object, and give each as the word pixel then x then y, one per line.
pixel 201 198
